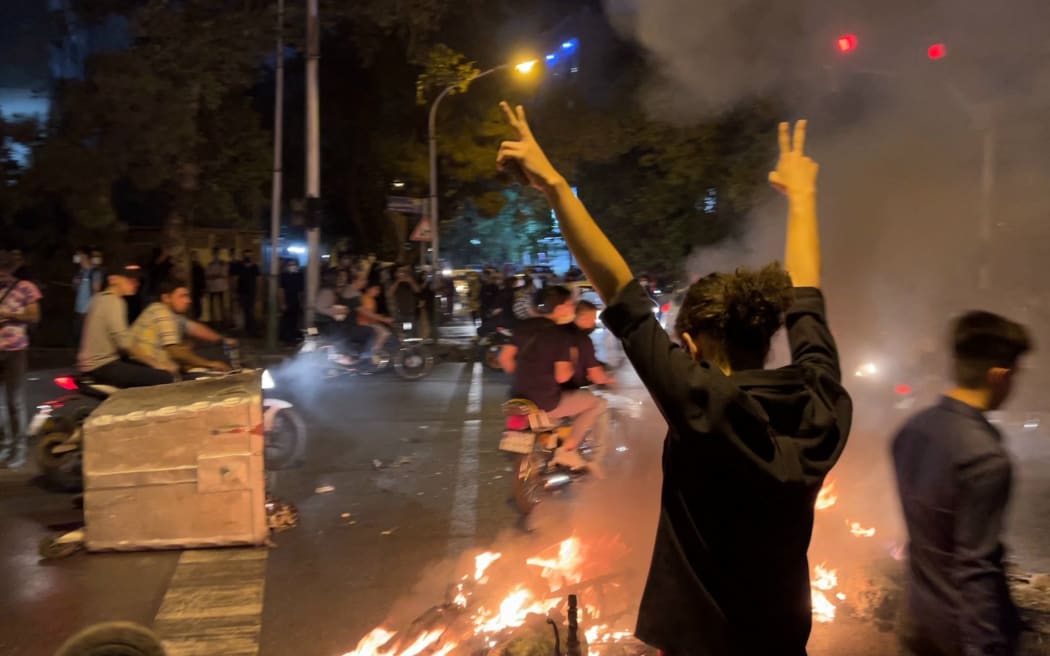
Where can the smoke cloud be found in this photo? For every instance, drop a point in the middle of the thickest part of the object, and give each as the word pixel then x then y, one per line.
pixel 916 156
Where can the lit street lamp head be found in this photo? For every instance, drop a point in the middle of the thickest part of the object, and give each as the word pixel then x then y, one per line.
pixel 525 67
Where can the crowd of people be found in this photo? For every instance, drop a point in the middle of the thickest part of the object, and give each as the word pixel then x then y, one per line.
pixel 725 577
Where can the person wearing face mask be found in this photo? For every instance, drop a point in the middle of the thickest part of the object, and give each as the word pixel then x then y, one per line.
pixel 539 358
pixel 87 281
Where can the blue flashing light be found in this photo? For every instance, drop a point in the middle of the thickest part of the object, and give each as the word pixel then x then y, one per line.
pixel 568 45
pixel 552 58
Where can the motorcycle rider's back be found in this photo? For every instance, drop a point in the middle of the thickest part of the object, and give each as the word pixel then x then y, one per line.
pixel 106 346
pixel 542 362
pixel 540 344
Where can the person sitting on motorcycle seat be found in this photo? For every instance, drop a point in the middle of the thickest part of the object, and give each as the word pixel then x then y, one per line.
pixel 334 318
pixel 107 353
pixel 162 328
pixel 367 314
pixel 588 369
pixel 540 360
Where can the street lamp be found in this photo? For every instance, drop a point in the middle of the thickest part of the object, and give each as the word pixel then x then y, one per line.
pixel 524 67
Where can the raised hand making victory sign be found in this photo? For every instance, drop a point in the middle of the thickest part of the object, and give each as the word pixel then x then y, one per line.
pixel 747 449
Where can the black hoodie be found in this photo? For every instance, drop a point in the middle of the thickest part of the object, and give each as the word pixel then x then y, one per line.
pixel 744 459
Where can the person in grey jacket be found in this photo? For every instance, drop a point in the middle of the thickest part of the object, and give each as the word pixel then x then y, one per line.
pixel 108 353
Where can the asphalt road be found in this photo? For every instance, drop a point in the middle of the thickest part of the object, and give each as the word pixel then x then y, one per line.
pixel 402 486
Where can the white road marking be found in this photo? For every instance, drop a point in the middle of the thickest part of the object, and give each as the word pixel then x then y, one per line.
pixel 474 391
pixel 464 517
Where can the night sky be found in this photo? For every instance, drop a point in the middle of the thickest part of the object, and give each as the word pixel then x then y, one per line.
pixel 24 28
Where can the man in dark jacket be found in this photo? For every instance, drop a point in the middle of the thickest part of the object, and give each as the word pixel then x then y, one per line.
pixel 954 477
pixel 747 449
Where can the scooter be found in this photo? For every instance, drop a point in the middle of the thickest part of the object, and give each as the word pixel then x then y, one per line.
pixel 59 427
pixel 408 355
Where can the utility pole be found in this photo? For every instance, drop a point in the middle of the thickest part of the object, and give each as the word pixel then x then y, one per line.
pixel 275 198
pixel 313 161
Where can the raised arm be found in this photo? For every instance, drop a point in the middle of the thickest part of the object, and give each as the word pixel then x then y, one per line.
pixel 796 178
pixel 598 258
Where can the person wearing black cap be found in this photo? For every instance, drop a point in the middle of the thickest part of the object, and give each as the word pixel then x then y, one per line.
pixel 107 351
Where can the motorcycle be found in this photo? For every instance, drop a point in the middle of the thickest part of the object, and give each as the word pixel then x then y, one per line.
pixel 408 355
pixel 531 437
pixel 59 427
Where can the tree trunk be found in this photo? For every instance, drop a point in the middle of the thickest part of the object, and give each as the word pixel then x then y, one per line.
pixel 173 236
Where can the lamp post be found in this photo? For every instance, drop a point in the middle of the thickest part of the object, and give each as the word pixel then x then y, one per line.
pixel 524 68
pixel 313 160
pixel 275 201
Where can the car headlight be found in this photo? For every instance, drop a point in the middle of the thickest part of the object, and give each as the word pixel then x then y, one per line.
pixel 267 380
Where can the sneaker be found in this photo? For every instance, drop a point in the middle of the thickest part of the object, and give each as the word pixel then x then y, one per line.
pixel 571 459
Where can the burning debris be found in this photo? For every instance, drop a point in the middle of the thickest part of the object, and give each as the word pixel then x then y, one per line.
pixel 489 613
pixel 507 605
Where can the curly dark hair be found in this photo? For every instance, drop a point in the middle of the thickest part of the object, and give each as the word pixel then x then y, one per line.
pixel 733 316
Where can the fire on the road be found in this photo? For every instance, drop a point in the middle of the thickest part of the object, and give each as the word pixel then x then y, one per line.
pixel 565 564
pixel 476 616
pixel 824 579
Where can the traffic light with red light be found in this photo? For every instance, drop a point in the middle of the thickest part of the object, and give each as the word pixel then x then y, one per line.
pixel 846 43
pixel 937 51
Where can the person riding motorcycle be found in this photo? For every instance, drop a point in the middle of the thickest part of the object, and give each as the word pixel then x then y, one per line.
pixel 367 315
pixel 161 331
pixel 539 358
pixel 589 370
pixel 107 353
pixel 335 316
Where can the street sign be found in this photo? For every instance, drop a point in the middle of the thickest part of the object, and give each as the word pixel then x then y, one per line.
pixel 406 204
pixel 422 231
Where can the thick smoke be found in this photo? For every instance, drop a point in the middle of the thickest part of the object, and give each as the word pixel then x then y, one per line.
pixel 907 146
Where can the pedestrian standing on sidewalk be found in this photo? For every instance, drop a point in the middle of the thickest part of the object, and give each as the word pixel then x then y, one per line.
pixel 247 290
pixel 954 478
pixel 747 448
pixel 19 307
pixel 87 282
pixel 199 285
pixel 292 288
pixel 217 276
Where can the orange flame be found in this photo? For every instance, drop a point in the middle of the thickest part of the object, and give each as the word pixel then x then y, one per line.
pixel 513 611
pixel 565 568
pixel 827 498
pixel 482 562
pixel 372 643
pixel 824 580
pixel 859 531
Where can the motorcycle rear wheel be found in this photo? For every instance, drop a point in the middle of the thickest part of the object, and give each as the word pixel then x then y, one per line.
pixel 528 483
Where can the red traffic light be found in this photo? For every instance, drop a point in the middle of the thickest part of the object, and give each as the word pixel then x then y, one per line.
pixel 937 51
pixel 847 43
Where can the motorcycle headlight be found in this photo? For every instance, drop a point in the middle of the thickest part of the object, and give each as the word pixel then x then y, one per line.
pixel 406 326
pixel 267 380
